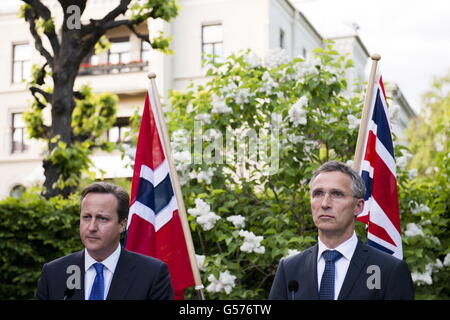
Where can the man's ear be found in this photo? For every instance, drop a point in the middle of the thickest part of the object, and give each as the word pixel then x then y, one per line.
pixel 123 225
pixel 359 206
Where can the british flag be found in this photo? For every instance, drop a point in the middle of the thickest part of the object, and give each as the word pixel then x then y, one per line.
pixel 378 170
pixel 154 225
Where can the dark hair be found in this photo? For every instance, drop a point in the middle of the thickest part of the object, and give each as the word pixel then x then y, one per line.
pixel 358 187
pixel 123 199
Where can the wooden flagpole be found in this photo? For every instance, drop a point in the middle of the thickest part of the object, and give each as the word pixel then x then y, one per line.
pixel 177 189
pixel 365 114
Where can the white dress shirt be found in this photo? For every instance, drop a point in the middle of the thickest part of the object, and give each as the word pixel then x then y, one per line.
pixel 347 249
pixel 109 264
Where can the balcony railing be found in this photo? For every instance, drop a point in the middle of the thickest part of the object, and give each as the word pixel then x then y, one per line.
pixel 132 66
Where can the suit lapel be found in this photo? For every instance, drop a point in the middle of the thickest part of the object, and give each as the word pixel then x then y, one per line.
pixel 122 278
pixel 79 261
pixel 354 270
pixel 310 277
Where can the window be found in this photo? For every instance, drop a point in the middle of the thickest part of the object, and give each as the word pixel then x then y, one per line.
pixel 21 62
pixel 282 39
pixel 18 133
pixel 145 51
pixel 117 133
pixel 119 52
pixel 90 60
pixel 212 41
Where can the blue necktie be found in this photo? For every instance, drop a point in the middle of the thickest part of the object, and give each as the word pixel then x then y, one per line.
pixel 98 288
pixel 326 291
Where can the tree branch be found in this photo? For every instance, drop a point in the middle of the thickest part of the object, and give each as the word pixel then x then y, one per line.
pixel 48 96
pixel 121 8
pixel 144 37
pixel 40 10
pixel 30 17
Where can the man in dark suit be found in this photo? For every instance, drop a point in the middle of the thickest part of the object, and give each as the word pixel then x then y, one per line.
pixel 340 266
pixel 104 270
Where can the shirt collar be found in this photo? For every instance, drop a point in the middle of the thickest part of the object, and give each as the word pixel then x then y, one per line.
pixel 110 263
pixel 346 248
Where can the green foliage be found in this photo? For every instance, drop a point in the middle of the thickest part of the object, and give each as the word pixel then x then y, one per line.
pixel 305 106
pixel 429 192
pixel 157 9
pixel 300 109
pixel 161 43
pixel 34 231
pixel 429 133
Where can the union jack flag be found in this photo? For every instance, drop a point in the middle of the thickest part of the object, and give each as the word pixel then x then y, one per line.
pixel 378 170
pixel 154 225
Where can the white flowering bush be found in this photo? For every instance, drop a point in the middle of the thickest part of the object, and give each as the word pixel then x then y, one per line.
pixel 288 116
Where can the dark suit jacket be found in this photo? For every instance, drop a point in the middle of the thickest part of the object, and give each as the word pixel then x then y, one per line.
pixel 395 282
pixel 136 277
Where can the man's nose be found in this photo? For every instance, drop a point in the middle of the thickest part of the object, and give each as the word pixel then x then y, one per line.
pixel 92 225
pixel 326 201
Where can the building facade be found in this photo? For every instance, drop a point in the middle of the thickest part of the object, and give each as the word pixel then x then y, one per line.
pixel 220 27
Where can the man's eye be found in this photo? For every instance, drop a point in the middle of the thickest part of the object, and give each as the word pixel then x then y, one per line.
pixel 337 194
pixel 317 193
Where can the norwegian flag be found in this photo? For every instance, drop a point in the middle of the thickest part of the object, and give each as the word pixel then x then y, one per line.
pixel 154 225
pixel 378 170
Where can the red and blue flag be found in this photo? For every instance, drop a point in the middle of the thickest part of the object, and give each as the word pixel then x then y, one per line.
pixel 154 224
pixel 378 170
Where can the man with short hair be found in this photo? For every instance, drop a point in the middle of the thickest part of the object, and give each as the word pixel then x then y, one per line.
pixel 106 270
pixel 340 266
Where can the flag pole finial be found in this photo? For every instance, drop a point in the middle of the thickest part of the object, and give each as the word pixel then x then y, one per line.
pixel 151 75
pixel 375 57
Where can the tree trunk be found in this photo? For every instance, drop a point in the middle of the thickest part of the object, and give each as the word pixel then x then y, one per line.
pixel 63 104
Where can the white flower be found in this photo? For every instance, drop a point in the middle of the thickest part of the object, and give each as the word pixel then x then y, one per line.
pixel 251 243
pixel 252 59
pixel 353 122
pixel 297 115
pixel 294 138
pixel 447 260
pixel 267 83
pixel 201 208
pixel 422 278
pixel 238 221
pixel 412 173
pixel 292 252
pixel 205 217
pixel 226 282
pixel 277 119
pixel 204 118
pixel 421 208
pixel 275 58
pixel 437 264
pixel 182 160
pixel 412 230
pixel 206 175
pixel 436 241
pixel 307 67
pixel 242 96
pixel 207 221
pixel 201 262
pixel 228 91
pixel 220 106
